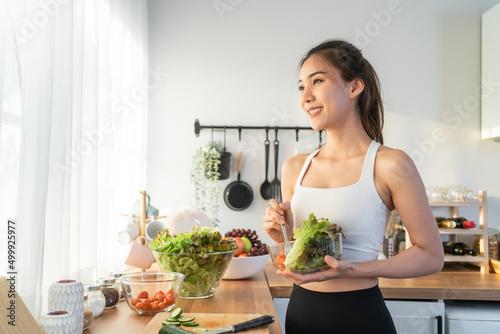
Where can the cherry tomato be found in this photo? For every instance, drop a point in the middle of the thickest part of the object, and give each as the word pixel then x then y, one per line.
pixel 162 305
pixel 145 304
pixel 159 292
pixel 170 292
pixel 134 301
pixel 138 306
pixel 142 295
pixel 153 299
pixel 160 298
pixel 155 306
pixel 169 299
pixel 280 259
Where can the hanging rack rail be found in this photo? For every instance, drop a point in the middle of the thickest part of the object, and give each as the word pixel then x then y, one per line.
pixel 198 127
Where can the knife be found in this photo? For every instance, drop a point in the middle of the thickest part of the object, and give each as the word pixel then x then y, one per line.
pixel 257 322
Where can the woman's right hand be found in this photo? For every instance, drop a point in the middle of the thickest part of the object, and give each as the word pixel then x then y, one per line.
pixel 277 215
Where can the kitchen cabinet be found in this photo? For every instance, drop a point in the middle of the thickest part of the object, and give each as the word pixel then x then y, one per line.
pixel 454 233
pixel 280 306
pixel 490 74
pixel 425 317
pixel 465 318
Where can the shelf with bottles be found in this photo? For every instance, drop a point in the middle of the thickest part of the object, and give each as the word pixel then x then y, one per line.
pixel 455 198
pixel 481 230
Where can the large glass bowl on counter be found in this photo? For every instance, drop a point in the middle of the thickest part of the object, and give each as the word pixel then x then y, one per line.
pixel 306 258
pixel 148 293
pixel 203 272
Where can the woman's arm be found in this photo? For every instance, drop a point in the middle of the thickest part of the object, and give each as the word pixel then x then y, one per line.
pixel 273 218
pixel 401 187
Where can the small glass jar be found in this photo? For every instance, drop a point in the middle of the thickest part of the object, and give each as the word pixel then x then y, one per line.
pixel 110 292
pixel 96 299
pixel 493 243
pixel 118 283
pixel 88 312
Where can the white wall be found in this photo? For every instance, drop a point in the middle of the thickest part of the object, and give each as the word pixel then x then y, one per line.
pixel 239 67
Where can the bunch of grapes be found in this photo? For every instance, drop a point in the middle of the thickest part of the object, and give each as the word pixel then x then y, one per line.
pixel 258 247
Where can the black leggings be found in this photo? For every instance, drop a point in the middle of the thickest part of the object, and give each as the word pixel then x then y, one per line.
pixel 351 312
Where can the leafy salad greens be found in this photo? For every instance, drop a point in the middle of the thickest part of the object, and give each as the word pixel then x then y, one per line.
pixel 317 237
pixel 201 255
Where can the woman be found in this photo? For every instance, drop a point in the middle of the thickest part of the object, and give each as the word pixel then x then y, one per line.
pixel 355 182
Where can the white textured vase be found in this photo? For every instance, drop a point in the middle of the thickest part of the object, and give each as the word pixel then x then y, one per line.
pixel 58 322
pixel 67 295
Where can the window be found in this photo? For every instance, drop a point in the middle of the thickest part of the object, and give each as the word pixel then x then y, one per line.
pixel 10 143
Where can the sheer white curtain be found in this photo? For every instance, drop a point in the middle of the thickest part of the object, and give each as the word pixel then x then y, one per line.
pixel 83 82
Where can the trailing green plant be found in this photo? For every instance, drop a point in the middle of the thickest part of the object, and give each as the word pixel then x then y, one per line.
pixel 204 176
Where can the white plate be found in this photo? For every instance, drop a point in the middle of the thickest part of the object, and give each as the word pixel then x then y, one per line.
pixel 184 220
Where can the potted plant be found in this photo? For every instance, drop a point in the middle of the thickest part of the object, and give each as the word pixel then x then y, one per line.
pixel 204 176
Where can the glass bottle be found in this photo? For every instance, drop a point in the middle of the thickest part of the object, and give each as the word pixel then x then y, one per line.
pixel 110 292
pixel 96 299
pixel 88 312
pixel 445 223
pixel 118 283
pixel 458 248
pixel 462 222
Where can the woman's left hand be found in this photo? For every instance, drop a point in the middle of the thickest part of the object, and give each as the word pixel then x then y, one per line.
pixel 338 268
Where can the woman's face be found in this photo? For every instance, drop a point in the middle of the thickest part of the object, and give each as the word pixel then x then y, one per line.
pixel 324 95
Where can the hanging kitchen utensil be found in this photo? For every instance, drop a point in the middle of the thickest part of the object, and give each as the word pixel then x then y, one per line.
pixel 266 190
pixel 320 139
pixel 276 184
pixel 238 195
pixel 225 161
pixel 296 141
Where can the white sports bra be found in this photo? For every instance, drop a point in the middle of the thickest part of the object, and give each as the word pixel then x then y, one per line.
pixel 357 208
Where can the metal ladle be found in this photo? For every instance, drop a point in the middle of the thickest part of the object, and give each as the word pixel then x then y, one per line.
pixel 266 188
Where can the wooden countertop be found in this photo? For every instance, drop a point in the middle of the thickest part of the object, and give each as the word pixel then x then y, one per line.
pixel 254 296
pixel 251 296
pixel 451 285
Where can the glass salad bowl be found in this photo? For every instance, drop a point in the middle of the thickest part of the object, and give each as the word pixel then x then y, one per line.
pixel 203 272
pixel 307 257
pixel 148 293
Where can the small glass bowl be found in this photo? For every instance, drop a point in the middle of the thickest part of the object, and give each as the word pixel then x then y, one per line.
pixel 203 271
pixel 317 249
pixel 151 288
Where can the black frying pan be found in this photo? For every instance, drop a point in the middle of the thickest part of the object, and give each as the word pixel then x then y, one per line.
pixel 238 195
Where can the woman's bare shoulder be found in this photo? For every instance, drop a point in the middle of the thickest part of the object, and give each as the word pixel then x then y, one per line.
pixel 395 164
pixel 295 163
pixel 292 167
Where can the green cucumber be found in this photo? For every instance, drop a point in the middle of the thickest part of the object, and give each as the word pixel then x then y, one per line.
pixel 190 323
pixel 171 329
pixel 172 319
pixel 198 329
pixel 176 313
pixel 184 319
pixel 175 323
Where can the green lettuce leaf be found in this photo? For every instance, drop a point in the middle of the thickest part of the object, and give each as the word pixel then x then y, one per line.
pixel 313 241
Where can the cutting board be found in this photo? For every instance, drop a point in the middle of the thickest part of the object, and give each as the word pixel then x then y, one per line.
pixel 207 320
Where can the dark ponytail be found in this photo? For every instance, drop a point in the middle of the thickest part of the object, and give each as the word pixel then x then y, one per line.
pixel 351 64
